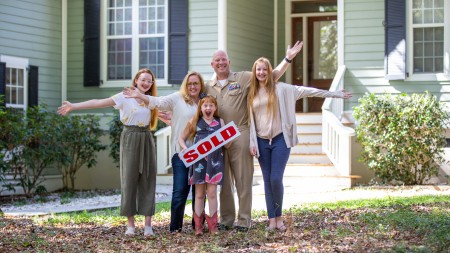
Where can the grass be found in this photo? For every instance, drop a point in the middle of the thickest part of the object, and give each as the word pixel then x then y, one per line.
pixel 424 219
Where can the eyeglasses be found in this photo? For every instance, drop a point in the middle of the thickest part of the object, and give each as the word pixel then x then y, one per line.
pixel 146 81
pixel 193 84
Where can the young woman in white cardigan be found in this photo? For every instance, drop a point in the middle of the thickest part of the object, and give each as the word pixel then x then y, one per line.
pixel 273 130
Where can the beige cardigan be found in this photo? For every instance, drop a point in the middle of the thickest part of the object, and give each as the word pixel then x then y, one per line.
pixel 287 96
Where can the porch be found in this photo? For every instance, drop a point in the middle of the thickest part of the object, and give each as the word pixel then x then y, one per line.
pixel 323 158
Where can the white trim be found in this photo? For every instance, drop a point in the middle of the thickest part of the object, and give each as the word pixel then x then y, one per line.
pixel 445 76
pixel 340 32
pixel 275 31
pixel 222 25
pixel 288 34
pixel 64 51
pixel 18 63
pixel 135 53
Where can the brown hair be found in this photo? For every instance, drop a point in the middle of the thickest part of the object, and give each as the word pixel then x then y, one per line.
pixel 193 125
pixel 151 92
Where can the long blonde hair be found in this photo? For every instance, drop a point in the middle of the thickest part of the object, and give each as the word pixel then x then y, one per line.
pixel 193 125
pixel 272 104
pixel 184 87
pixel 151 92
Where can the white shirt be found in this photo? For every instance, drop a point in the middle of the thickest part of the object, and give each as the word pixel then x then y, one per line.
pixel 182 112
pixel 132 113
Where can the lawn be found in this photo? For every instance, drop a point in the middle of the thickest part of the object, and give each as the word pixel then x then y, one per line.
pixel 392 224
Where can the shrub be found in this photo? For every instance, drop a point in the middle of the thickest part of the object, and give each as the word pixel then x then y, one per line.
pixel 29 144
pixel 115 129
pixel 402 137
pixel 79 142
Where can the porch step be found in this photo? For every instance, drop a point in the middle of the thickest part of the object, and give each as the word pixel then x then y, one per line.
pixel 304 170
pixel 307 148
pixel 311 158
pixel 310 177
pixel 310 128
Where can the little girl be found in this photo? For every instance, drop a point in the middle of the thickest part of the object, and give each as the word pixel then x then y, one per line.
pixel 207 173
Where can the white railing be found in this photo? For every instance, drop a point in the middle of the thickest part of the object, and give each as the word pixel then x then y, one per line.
pixel 163 163
pixel 337 138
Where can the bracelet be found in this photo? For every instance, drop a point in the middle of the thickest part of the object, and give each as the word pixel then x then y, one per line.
pixel 287 60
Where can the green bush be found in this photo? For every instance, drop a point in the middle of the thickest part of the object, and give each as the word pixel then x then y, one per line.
pixel 115 129
pixel 79 142
pixel 28 140
pixel 402 137
pixel 32 141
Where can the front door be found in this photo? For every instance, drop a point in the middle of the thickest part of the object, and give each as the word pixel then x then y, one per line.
pixel 320 33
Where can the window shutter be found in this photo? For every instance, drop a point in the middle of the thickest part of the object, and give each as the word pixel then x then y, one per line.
pixel 2 82
pixel 178 40
pixel 91 42
pixel 33 83
pixel 395 39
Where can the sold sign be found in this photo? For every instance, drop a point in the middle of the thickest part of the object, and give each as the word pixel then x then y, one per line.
pixel 209 144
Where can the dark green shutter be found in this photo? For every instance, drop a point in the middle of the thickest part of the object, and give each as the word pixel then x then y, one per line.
pixel 91 42
pixel 178 40
pixel 2 82
pixel 395 39
pixel 33 85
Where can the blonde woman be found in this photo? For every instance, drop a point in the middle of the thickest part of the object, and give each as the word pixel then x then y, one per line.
pixel 273 130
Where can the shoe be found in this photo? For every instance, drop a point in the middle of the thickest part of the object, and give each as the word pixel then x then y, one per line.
pixel 198 223
pixel 130 231
pixel 148 231
pixel 270 229
pixel 281 228
pixel 223 227
pixel 212 223
pixel 241 229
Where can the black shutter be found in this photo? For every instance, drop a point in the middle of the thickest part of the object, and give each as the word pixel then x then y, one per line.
pixel 178 40
pixel 33 83
pixel 91 42
pixel 2 82
pixel 395 39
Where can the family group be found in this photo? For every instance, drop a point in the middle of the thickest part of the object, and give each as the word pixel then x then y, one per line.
pixel 263 110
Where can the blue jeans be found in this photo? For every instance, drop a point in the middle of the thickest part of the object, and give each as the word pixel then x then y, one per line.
pixel 180 193
pixel 273 158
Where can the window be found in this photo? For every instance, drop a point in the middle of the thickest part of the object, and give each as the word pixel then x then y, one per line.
pixel 135 37
pixel 428 44
pixel 16 90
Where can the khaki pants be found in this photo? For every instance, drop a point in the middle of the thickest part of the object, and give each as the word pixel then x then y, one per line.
pixel 238 173
pixel 137 171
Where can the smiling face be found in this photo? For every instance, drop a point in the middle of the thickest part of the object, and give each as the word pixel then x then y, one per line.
pixel 144 82
pixel 262 72
pixel 194 86
pixel 221 64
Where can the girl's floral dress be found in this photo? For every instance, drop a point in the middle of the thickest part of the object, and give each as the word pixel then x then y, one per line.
pixel 209 169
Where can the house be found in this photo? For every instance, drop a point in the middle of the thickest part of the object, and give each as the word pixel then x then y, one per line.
pixel 56 50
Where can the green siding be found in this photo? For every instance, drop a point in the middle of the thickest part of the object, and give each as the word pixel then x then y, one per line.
pixel 203 37
pixel 32 30
pixel 364 55
pixel 281 30
pixel 250 32
pixel 76 92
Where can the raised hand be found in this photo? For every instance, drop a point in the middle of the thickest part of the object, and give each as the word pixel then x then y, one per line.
pixel 291 52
